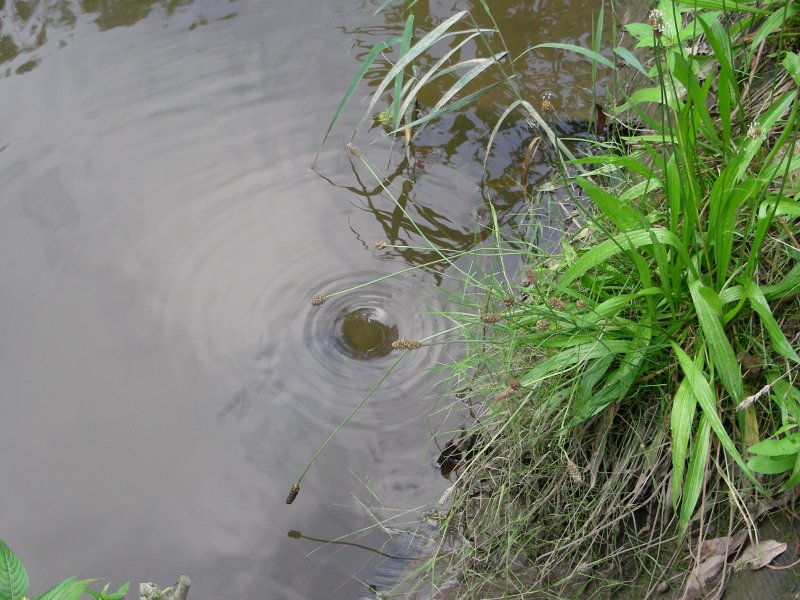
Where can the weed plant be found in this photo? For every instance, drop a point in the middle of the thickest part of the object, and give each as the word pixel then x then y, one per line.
pixel 636 393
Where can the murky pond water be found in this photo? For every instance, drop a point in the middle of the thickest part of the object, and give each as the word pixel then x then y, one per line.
pixel 164 376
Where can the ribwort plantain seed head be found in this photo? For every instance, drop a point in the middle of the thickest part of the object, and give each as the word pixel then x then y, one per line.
pixel 555 303
pixel 318 300
pixel 542 325
pixel 352 149
pixel 293 493
pixel 380 245
pixel 491 318
pixel 406 344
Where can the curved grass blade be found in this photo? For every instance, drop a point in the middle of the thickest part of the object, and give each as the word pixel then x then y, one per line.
pixel 365 65
pixel 759 304
pixel 629 58
pixel 421 46
pixel 622 242
pixel 572 356
pixel 695 474
pixel 684 406
pixel 405 42
pixel 622 215
pixel 699 386
pixel 466 78
pixel 708 307
pixel 595 56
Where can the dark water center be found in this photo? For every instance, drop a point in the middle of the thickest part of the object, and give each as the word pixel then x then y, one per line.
pixel 164 376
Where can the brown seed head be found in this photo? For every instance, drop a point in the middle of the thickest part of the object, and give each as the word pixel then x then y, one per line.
pixel 293 493
pixel 509 302
pixel 514 384
pixel 555 303
pixel 530 278
pixel 574 472
pixel 352 149
pixel 491 318
pixel 580 304
pixel 380 245
pixel 406 344
pixel 505 394
pixel 542 324
pixel 318 300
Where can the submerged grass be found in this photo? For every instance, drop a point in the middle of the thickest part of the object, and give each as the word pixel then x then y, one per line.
pixel 637 393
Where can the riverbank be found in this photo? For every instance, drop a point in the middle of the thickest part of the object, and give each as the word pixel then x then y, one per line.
pixel 632 397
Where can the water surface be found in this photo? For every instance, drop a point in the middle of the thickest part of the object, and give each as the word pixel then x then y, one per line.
pixel 164 376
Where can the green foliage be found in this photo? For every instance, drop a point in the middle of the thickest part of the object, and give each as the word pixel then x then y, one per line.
pixel 632 341
pixel 14 583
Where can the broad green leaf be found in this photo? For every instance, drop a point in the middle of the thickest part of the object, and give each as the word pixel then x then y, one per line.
pixel 624 217
pixel 791 63
pixel 719 347
pixel 760 306
pixel 600 253
pixel 651 95
pixel 684 406
pixel 699 386
pixel 695 474
pixel 772 465
pixel 13 576
pixel 786 445
pixel 69 589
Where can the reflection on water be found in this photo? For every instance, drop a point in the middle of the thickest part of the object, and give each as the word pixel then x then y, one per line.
pixel 30 29
pixel 165 377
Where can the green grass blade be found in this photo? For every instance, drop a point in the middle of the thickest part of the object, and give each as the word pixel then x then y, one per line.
pixel 623 216
pixel 684 406
pixel 466 78
pixel 405 43
pixel 365 65
pixel 695 474
pixel 421 46
pixel 13 576
pixel 435 71
pixel 603 251
pixel 630 59
pixel 577 354
pixel 760 306
pixel 699 386
pixel 707 305
pixel 595 56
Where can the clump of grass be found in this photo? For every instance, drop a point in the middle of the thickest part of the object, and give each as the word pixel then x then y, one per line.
pixel 655 360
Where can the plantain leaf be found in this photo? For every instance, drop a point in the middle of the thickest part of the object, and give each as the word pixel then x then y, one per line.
pixel 13 576
pixel 695 474
pixel 707 304
pixel 699 386
pixel 772 465
pixel 760 306
pixel 787 445
pixel 617 244
pixel 684 406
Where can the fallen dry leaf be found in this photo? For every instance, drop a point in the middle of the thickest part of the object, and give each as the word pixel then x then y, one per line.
pixel 702 573
pixel 722 545
pixel 759 555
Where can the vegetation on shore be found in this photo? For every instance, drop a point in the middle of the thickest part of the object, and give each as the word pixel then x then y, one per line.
pixel 635 394
pixel 14 583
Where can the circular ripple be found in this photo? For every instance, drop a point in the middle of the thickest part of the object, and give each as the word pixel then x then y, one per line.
pixel 365 333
